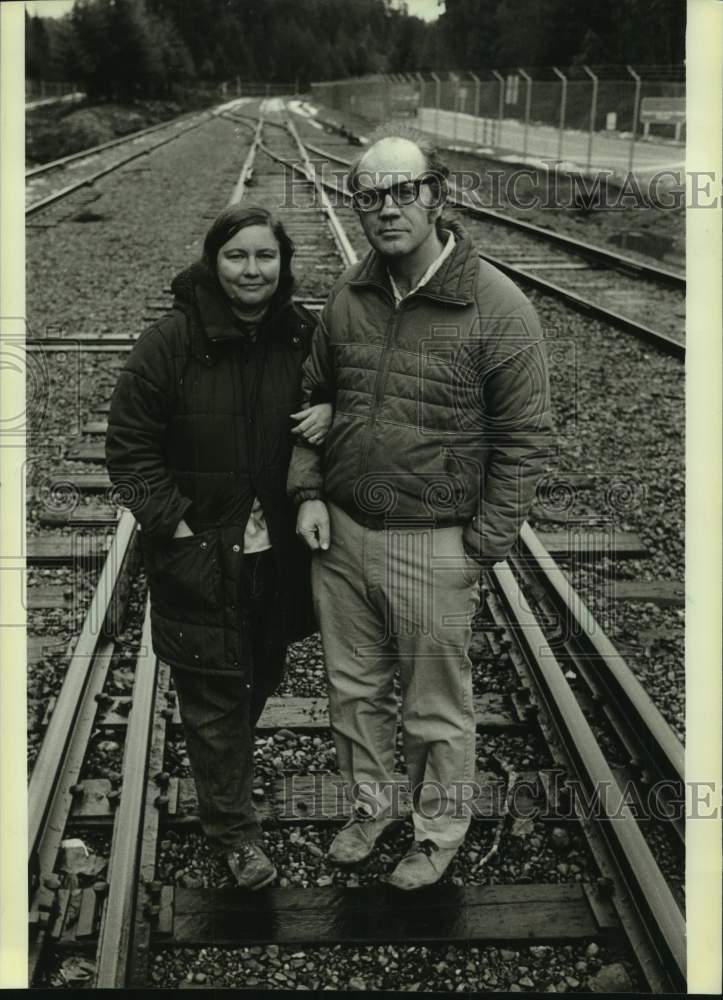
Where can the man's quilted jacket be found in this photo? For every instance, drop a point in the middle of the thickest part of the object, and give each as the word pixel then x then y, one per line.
pixel 441 403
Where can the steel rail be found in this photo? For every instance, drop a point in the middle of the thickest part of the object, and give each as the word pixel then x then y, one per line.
pixel 662 275
pixel 580 248
pixel 117 927
pixel 112 342
pixel 654 337
pixel 148 902
pixel 347 251
pixel 54 781
pixel 663 958
pixel 246 120
pixel 662 748
pixel 87 181
pixel 660 340
pixel 642 715
pixel 123 933
pixel 92 150
pixel 246 169
pixel 654 903
pixel 46 783
pixel 60 800
pixel 116 931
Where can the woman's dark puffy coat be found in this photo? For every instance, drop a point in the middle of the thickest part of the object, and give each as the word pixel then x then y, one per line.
pixel 199 425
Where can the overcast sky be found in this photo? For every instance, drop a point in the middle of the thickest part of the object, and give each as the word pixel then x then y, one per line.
pixel 49 8
pixel 428 10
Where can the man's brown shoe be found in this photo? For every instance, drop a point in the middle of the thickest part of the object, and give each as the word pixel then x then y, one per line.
pixel 356 841
pixel 250 867
pixel 423 864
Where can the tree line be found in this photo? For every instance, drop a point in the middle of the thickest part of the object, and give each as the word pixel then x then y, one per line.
pixel 145 48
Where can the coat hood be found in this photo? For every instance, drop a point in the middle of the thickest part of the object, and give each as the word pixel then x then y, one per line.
pixel 198 294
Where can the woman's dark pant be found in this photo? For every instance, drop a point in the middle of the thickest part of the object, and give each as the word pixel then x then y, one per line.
pixel 219 714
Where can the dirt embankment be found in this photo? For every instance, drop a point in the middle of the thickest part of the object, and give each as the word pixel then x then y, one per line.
pixel 57 130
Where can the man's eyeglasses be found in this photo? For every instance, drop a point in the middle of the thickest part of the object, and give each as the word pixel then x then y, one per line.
pixel 403 193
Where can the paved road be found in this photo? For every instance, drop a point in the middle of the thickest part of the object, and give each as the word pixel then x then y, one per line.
pixel 609 151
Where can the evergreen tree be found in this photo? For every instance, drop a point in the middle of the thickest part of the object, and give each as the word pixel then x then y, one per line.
pixel 128 48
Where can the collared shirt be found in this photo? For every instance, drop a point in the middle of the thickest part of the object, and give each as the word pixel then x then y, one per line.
pixel 429 273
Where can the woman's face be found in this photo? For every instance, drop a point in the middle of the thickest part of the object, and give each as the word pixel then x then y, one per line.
pixel 249 265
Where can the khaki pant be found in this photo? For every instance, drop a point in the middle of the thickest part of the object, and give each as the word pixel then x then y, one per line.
pixel 401 598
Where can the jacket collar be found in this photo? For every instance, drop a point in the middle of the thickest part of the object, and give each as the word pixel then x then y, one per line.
pixel 212 321
pixel 454 282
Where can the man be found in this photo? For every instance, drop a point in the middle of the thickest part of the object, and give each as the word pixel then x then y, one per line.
pixel 440 429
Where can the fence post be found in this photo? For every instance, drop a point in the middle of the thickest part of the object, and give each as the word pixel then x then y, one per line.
pixel 593 113
pixel 438 98
pixel 501 109
pixel 455 105
pixel 636 108
pixel 528 100
pixel 421 92
pixel 563 107
pixel 420 102
pixel 477 82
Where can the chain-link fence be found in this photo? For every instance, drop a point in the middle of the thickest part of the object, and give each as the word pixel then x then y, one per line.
pixel 256 88
pixel 615 117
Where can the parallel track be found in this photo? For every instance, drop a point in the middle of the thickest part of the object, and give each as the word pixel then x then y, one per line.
pixel 621 269
pixel 75 160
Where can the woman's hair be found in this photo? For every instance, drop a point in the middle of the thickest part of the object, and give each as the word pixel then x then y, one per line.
pixel 237 217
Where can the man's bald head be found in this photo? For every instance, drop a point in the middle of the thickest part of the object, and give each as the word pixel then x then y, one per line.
pixel 391 159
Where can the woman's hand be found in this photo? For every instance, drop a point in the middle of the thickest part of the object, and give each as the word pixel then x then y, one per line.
pixel 182 530
pixel 314 422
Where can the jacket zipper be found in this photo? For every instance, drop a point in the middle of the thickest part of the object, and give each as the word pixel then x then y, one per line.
pixel 379 384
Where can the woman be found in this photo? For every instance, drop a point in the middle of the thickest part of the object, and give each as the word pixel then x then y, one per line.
pixel 200 436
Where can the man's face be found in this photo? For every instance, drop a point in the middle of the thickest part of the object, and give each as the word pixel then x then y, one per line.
pixel 397 230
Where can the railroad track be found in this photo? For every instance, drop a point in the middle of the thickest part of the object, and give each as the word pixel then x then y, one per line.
pixel 51 182
pixel 120 919
pixel 617 289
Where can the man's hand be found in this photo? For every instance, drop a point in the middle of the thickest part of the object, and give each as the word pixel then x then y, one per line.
pixel 312 524
pixel 314 422
pixel 182 530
